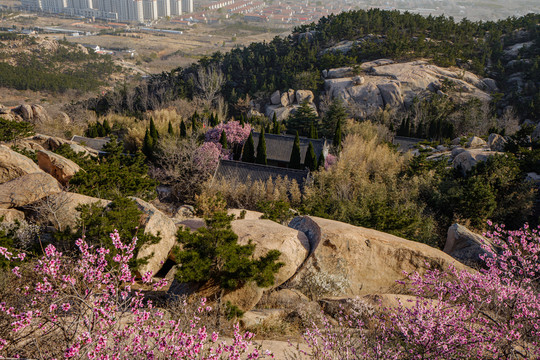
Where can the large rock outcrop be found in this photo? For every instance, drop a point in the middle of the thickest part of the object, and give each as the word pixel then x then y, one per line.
pixel 399 84
pixel 284 104
pixel 65 205
pixel 349 261
pixel 464 160
pixel 14 165
pixel 268 235
pixel 27 189
pixel 466 246
pixel 11 215
pixel 59 167
pixel 158 224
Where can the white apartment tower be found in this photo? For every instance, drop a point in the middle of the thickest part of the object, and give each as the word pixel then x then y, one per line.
pixel 176 7
pixel 187 6
pixel 122 10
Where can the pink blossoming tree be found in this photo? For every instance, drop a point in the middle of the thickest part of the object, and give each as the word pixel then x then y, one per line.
pixel 493 313
pixel 86 308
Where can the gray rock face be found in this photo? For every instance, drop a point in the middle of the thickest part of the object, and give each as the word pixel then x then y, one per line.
pixel 25 112
pixel 491 85
pixel 536 133
pixel 465 160
pixel 369 96
pixel 292 96
pixel 303 95
pixel 39 114
pixel 333 86
pixel 496 142
pixel 275 99
pixel 400 84
pixel 281 112
pixel 27 189
pixel 476 142
pixel 391 94
pixel 466 246
pixel 13 165
pixel 339 73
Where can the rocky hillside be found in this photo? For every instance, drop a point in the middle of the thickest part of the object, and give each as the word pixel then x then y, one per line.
pixel 33 63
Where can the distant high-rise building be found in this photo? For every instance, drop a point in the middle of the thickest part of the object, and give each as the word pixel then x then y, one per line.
pixel 176 7
pixel 122 10
pixel 187 6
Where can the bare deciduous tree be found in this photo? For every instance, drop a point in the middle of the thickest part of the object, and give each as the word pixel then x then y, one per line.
pixel 176 166
pixel 209 82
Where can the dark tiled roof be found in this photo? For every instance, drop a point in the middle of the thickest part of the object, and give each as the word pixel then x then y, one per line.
pixel 405 144
pixel 93 143
pixel 244 172
pixel 279 147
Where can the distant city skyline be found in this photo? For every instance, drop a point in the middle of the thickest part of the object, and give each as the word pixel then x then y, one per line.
pixel 121 10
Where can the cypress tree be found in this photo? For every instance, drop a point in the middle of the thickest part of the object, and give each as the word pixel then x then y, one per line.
pixel 275 129
pixel 268 130
pixel 336 141
pixel 148 144
pixel 248 154
pixel 313 132
pixel 223 139
pixel 194 122
pixel 274 118
pixel 100 129
pixel 242 121
pixel 295 162
pixel 310 161
pixel 153 131
pixel 106 127
pixel 170 129
pixel 183 129
pixel 261 150
pixel 320 163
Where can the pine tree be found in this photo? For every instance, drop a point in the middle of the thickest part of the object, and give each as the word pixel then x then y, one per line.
pixel 295 162
pixel 336 141
pixel 248 155
pixel 310 161
pixel 313 132
pixel 148 144
pixel 223 140
pixel 153 131
pixel 212 253
pixel 261 150
pixel 170 129
pixel 336 112
pixel 183 130
pixel 302 119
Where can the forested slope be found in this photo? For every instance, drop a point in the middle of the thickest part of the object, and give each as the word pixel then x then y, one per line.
pixel 297 61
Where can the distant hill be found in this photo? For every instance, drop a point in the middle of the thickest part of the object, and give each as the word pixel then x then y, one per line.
pixel 488 49
pixel 31 63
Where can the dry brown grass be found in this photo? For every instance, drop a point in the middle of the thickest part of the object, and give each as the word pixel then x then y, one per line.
pixel 241 195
